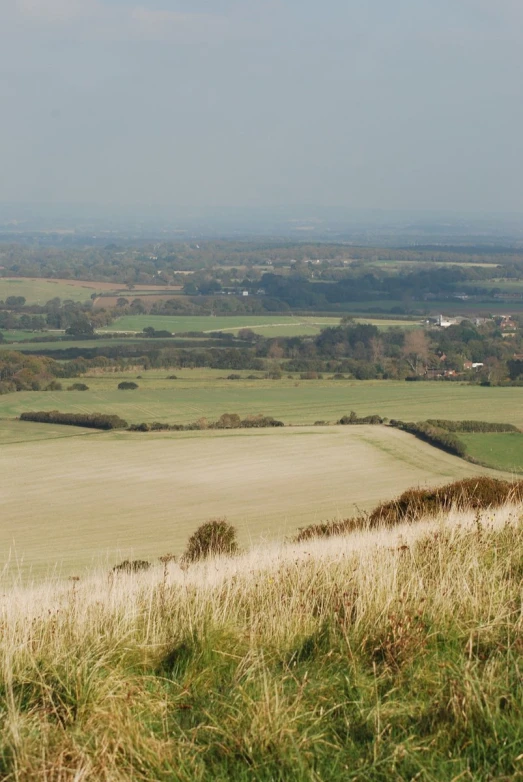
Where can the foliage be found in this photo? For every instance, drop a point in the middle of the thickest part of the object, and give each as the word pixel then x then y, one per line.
pixel 440 438
pixel 132 566
pixel 353 419
pixel 78 387
pixel 226 421
pixel 127 385
pixel 214 538
pixel 471 426
pixel 467 494
pixel 88 420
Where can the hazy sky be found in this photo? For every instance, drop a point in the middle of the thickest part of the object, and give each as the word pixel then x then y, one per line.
pixel 361 103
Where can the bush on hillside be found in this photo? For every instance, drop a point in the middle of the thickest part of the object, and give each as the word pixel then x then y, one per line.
pixel 78 387
pixel 327 529
pixel 468 494
pixel 132 566
pixel 214 538
pixel 127 385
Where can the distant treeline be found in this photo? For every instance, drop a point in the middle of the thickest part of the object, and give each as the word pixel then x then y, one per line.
pixel 87 420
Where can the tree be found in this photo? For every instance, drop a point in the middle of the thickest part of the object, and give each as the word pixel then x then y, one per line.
pixel 80 327
pixel 416 351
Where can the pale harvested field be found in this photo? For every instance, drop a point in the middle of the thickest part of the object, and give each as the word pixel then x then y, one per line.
pixel 74 501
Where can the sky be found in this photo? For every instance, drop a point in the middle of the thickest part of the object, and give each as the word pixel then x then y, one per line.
pixel 371 104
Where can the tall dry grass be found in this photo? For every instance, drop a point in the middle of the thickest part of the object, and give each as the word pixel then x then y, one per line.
pixel 385 654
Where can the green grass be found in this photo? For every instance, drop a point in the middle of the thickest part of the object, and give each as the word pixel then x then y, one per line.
pixel 64 344
pixel 18 335
pixel 39 291
pixel 207 393
pixel 272 324
pixel 393 656
pixel 504 451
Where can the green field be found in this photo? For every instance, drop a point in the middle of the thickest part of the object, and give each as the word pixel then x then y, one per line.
pixel 39 291
pixel 76 500
pixel 19 335
pixel 205 323
pixel 502 450
pixel 267 325
pixel 207 393
pixel 64 344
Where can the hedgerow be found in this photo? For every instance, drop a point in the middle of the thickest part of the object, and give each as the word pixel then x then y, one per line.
pixel 471 426
pixel 88 420
pixel 440 438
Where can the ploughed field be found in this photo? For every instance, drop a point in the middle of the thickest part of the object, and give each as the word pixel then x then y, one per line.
pixel 73 498
pixel 207 393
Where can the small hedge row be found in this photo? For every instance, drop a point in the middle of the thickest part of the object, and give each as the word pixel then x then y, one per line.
pixel 439 438
pixel 226 421
pixel 352 419
pixel 471 426
pixel 87 420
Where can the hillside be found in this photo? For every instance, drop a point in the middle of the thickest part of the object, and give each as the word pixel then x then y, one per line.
pixel 377 656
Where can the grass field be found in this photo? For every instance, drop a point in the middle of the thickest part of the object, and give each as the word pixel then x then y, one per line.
pixel 73 501
pixel 200 392
pixel 39 291
pixel 64 344
pixel 267 325
pixel 502 450
pixel 263 324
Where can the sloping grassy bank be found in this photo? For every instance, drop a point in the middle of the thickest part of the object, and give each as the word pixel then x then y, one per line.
pixel 389 654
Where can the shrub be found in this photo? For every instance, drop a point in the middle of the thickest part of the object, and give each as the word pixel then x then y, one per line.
pixel 259 422
pixel 132 566
pixel 234 377
pixel 78 387
pixel 213 538
pixel 468 494
pixel 127 385
pixel 54 385
pixel 353 419
pixel 172 377
pixel 228 421
pixel 327 529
